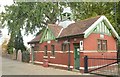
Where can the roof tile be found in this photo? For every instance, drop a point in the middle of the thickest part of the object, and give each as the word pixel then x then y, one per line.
pixel 78 27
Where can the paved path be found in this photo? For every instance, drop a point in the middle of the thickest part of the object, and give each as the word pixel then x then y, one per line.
pixel 12 67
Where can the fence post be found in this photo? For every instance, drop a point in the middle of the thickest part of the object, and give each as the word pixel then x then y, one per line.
pixel 86 64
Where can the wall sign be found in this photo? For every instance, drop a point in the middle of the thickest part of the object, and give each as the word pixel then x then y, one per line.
pixel 81 45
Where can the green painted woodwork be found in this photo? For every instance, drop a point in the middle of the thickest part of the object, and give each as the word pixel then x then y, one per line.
pixel 102 28
pixel 47 35
pixel 76 57
pixel 41 40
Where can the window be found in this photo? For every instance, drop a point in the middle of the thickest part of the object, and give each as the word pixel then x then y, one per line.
pixel 64 47
pixel 102 45
pixel 45 51
pixel 52 50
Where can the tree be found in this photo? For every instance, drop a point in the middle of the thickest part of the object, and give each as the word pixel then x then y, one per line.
pixel 118 17
pixel 31 16
pixel 18 44
pixel 11 44
pixel 83 10
pixel 28 16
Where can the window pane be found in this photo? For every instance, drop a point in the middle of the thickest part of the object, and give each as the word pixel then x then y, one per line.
pixel 99 45
pixel 104 45
pixel 64 47
pixel 45 51
pixel 52 50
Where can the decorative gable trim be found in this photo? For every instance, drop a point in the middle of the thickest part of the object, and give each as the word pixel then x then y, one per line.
pixel 93 26
pixel 102 29
pixel 41 40
pixel 47 34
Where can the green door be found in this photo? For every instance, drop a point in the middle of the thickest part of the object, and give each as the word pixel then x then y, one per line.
pixel 76 57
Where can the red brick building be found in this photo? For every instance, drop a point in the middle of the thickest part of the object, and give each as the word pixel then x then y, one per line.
pixel 94 37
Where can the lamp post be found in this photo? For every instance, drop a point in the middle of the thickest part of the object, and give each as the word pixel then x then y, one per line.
pixel 32 49
pixel 68 43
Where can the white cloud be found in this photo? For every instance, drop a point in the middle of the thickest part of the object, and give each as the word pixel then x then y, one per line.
pixel 6 2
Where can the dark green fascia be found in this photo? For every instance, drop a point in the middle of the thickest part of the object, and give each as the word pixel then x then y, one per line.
pixel 42 39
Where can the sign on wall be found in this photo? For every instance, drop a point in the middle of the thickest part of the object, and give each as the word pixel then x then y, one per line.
pixel 81 45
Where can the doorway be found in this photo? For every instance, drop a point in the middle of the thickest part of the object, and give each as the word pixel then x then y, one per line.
pixel 76 56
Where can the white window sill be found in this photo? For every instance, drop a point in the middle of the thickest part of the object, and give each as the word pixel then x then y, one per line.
pixel 52 57
pixel 45 56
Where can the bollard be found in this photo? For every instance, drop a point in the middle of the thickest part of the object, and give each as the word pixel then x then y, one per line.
pixel 86 64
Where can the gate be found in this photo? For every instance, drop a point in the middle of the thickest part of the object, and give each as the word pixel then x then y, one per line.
pixel 102 66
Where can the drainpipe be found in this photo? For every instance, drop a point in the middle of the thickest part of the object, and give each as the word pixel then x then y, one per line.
pixel 69 56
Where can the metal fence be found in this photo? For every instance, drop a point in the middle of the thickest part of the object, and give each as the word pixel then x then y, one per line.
pixel 102 66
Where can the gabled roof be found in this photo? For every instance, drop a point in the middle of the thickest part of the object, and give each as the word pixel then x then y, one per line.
pixel 78 27
pixel 94 25
pixel 36 39
pixel 83 27
pixel 55 29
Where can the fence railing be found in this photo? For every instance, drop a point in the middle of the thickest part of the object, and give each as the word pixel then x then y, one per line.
pixel 102 66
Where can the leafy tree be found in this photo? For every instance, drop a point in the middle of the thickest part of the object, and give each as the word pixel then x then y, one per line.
pixel 28 16
pixel 83 10
pixel 32 15
pixel 18 44
pixel 118 17
pixel 11 44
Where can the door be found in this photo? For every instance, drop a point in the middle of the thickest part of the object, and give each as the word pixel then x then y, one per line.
pixel 76 57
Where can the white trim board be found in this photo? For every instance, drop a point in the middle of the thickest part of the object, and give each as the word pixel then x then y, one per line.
pixel 61 65
pixel 55 51
pixel 93 26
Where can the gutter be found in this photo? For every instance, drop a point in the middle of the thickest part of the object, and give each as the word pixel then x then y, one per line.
pixel 72 36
